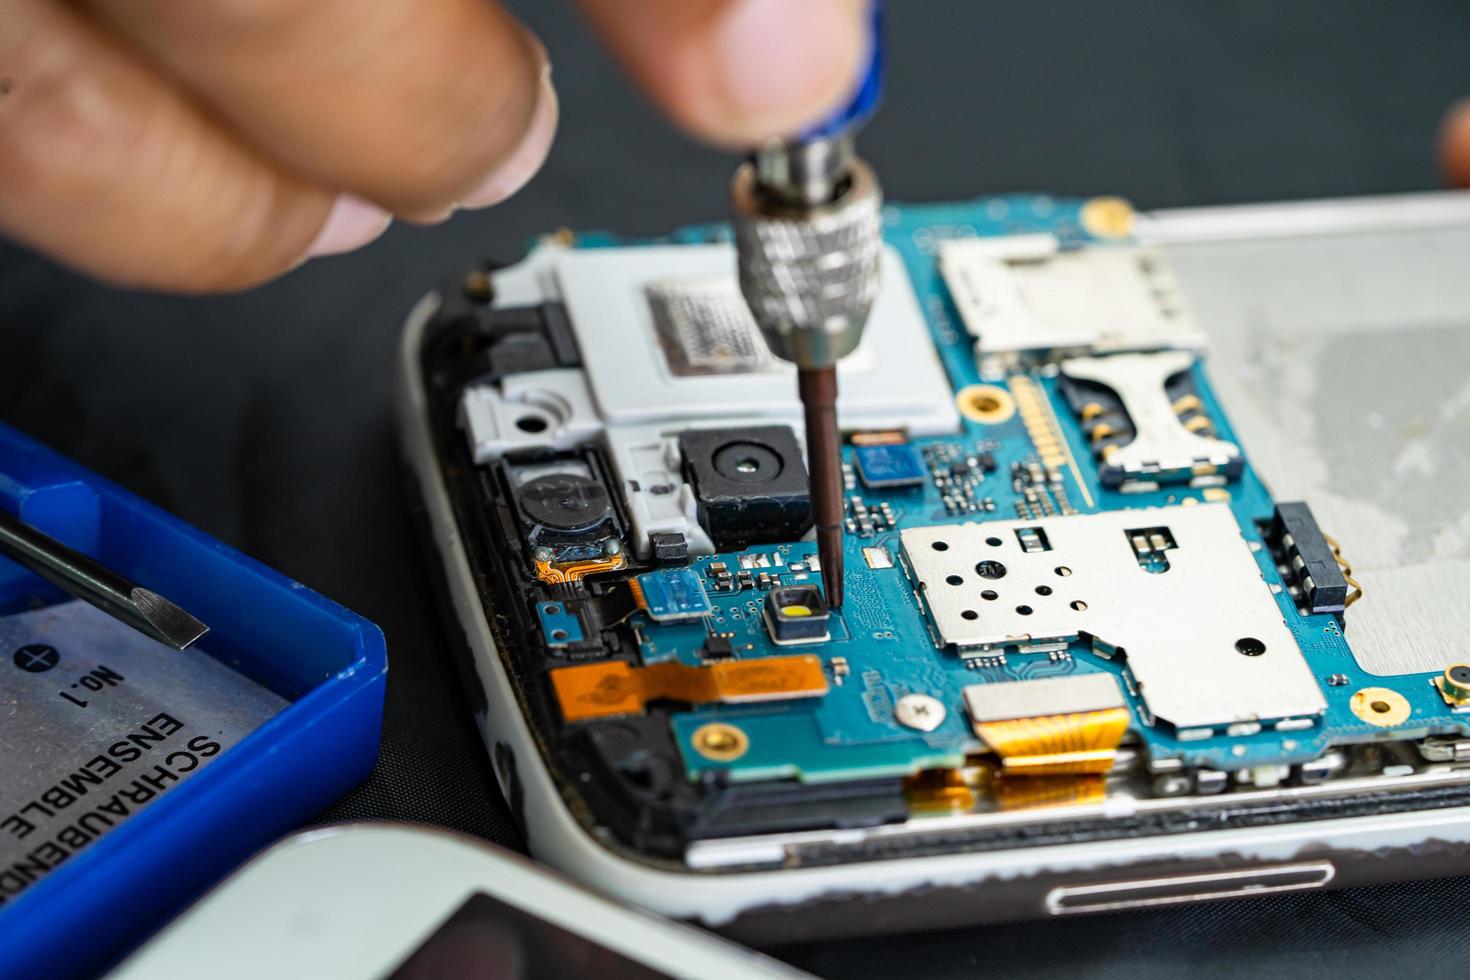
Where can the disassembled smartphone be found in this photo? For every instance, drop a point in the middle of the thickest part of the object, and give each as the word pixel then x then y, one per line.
pixel 1086 661
pixel 386 901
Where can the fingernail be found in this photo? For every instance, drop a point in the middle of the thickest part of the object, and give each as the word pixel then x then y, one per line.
pixel 518 168
pixel 779 56
pixel 351 224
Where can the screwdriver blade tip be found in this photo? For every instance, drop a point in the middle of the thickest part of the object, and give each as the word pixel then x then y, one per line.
pixel 168 622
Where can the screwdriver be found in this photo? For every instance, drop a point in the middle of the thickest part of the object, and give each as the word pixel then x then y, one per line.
pixel 145 611
pixel 809 240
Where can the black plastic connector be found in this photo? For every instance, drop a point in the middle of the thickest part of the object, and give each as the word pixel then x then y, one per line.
pixel 668 548
pixel 1310 563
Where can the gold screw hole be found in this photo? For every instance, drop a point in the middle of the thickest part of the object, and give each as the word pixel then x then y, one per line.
pixel 985 404
pixel 1381 706
pixel 720 742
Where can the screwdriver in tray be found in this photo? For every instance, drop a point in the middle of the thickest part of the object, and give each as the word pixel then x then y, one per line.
pixel 87 579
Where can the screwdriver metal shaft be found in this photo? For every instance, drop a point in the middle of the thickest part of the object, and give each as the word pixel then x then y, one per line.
pixel 818 387
pixel 145 611
pixel 808 232
pixel 809 240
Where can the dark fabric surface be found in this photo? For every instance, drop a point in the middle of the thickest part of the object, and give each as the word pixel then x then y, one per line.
pixel 265 420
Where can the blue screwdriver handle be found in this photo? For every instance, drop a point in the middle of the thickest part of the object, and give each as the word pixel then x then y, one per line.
pixel 868 92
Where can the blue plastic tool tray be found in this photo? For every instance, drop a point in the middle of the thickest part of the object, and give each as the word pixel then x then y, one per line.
pixel 328 664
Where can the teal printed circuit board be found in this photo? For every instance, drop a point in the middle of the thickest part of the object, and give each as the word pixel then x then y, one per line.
pixel 1058 560
pixel 882 633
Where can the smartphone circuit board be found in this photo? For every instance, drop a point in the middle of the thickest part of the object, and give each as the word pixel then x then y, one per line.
pixel 1066 588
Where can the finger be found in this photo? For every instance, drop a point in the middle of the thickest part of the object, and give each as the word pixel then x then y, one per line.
pixel 736 72
pixel 419 105
pixel 108 168
pixel 1455 144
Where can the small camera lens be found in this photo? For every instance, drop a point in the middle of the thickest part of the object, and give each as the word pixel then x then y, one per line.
pixel 747 462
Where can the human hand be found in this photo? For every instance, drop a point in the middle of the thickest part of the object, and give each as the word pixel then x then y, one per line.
pixel 1455 144
pixel 211 145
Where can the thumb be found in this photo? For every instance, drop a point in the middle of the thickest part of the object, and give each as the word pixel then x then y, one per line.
pixel 737 72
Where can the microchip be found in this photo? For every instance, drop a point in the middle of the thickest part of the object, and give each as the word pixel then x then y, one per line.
pixel 672 595
pixel 889 466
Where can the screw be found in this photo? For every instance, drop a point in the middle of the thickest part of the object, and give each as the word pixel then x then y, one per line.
pixel 612 546
pixel 919 711
pixel 542 553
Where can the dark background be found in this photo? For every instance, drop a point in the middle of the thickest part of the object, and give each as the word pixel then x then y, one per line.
pixel 264 418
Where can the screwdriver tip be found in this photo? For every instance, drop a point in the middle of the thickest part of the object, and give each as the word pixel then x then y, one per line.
pixel 167 622
pixel 818 390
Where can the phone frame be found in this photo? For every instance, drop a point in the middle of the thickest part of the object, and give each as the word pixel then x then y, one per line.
pixel 963 886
